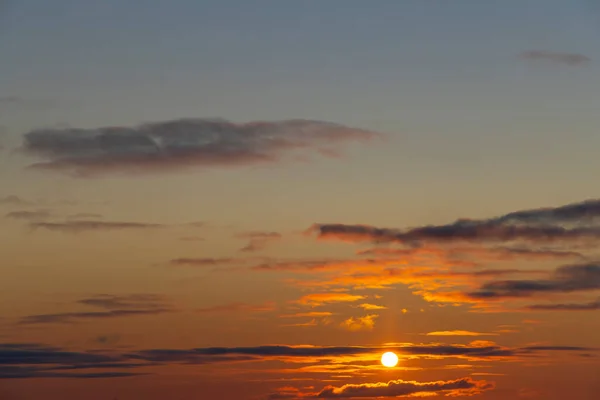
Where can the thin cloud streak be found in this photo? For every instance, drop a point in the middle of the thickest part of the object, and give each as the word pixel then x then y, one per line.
pixel 570 59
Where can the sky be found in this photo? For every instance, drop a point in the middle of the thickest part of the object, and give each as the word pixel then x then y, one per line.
pixel 255 200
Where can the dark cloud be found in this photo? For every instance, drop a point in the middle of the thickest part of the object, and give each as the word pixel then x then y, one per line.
pixel 183 143
pixel 258 240
pixel 213 354
pixel 113 307
pixel 79 226
pixel 458 387
pixel 22 360
pixel 569 222
pixel 29 215
pixel 590 306
pixel 570 59
pixel 565 279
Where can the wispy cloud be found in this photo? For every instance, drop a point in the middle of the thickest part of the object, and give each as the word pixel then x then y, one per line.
pixel 368 306
pixel 184 143
pixel 570 59
pixel 237 307
pixel 589 306
pixel 258 240
pixel 202 262
pixel 79 226
pixel 13 200
pixel 317 299
pixel 29 215
pixel 113 306
pixel 365 323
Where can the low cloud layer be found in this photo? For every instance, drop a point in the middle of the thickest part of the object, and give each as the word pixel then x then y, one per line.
pixel 397 388
pixel 184 143
pixel 18 360
pixel 570 59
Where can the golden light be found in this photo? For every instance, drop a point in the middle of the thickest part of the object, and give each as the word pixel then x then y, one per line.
pixel 389 359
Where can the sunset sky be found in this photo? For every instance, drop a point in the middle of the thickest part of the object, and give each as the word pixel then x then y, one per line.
pixel 246 200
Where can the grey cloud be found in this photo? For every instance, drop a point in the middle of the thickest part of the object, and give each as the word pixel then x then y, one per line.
pixel 202 262
pixel 183 143
pixel 29 215
pixel 258 240
pixel 13 200
pixel 79 226
pixel 590 306
pixel 565 279
pixel 570 222
pixel 570 59
pixel 113 307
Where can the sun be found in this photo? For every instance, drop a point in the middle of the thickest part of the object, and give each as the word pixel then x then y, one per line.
pixel 389 359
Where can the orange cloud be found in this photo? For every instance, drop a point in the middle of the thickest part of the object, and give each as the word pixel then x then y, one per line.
pixel 367 306
pixel 360 323
pixel 317 299
pixel 397 388
pixel 459 333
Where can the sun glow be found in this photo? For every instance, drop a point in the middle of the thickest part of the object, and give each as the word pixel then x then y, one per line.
pixel 389 359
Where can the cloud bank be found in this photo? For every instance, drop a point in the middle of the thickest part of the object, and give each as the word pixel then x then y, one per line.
pixel 183 143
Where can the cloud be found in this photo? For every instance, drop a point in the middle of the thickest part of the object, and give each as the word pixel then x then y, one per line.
pixel 367 306
pixel 22 360
pixel 236 307
pixel 312 314
pixel 258 240
pixel 459 333
pixel 485 253
pixel 85 216
pixel 183 143
pixel 202 262
pixel 13 200
pixel 191 239
pixel 10 100
pixel 317 299
pixel 29 215
pixel 570 59
pixel 80 226
pixel 565 279
pixel 365 323
pixel 114 306
pixel 397 388
pixel 590 306
pixel 570 222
